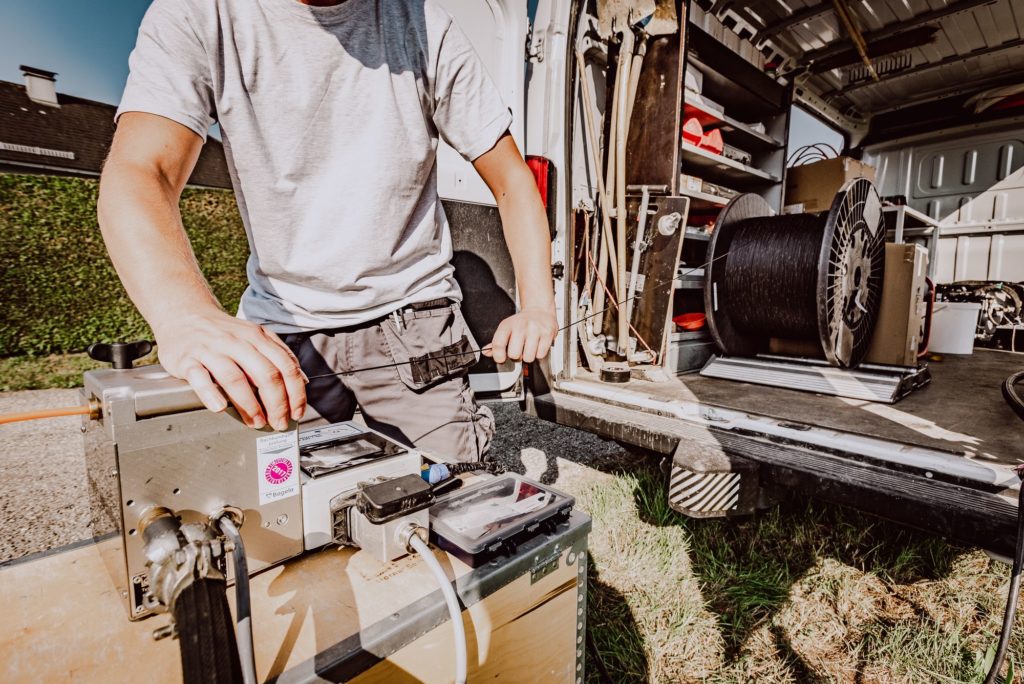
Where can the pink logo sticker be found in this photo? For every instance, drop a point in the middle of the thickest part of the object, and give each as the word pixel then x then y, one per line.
pixel 278 471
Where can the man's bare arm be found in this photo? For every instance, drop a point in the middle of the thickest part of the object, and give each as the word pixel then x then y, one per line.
pixel 528 335
pixel 150 161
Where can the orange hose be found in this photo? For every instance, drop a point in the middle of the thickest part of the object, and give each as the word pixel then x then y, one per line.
pixel 46 413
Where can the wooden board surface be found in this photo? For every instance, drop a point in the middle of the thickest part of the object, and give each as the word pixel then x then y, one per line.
pixel 652 144
pixel 64 620
pixel 652 311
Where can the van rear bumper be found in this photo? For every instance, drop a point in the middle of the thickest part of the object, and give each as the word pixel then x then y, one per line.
pixel 970 505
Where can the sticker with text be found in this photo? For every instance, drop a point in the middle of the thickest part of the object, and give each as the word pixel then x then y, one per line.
pixel 277 464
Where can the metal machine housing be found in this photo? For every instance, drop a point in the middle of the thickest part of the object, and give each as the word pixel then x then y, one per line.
pixel 154 445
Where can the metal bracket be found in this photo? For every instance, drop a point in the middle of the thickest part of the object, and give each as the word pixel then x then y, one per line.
pixel 546 566
pixel 534 47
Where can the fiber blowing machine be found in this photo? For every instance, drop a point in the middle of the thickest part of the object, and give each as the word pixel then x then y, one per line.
pixel 187 488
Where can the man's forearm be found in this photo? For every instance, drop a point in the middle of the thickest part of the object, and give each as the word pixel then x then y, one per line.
pixel 526 233
pixel 141 225
pixel 527 335
pixel 222 358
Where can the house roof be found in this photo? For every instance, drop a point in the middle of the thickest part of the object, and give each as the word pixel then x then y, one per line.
pixel 75 138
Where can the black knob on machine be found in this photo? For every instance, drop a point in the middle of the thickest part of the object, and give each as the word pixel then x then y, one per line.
pixel 120 355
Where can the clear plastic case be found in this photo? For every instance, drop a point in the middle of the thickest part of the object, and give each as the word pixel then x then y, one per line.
pixel 487 517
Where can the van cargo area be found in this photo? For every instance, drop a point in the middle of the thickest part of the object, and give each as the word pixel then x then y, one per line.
pixel 762 311
pixel 935 460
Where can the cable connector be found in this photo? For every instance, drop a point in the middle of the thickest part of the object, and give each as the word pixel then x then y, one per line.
pixel 405 534
pixel 438 472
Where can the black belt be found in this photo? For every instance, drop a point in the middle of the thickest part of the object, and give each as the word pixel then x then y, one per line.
pixel 440 303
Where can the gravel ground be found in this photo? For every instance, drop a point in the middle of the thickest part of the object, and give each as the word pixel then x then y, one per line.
pixel 44 499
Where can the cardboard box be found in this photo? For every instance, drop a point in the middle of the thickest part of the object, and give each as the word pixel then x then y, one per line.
pixel 806 349
pixel 901 315
pixel 815 185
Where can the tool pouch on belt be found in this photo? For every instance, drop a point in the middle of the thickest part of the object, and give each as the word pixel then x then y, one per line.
pixel 430 345
pixel 444 363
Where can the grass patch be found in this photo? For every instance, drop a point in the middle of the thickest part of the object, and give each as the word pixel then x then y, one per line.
pixel 803 592
pixel 56 371
pixel 60 292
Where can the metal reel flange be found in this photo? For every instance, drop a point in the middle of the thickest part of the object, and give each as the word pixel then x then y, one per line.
pixel 851 268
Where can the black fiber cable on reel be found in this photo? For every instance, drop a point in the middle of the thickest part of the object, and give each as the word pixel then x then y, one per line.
pixel 809 277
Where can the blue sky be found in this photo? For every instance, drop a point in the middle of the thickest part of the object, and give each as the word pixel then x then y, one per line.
pixel 86 43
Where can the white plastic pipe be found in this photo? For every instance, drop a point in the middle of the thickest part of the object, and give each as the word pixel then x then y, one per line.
pixel 451 599
pixel 621 131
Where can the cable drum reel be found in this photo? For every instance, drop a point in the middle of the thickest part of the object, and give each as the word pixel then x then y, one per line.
pixel 811 277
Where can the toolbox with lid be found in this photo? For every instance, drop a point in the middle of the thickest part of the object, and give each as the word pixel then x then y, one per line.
pixel 493 517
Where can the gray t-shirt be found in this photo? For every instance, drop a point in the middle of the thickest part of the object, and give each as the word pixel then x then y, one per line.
pixel 330 118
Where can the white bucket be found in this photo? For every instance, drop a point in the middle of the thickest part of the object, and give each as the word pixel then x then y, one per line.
pixel 953 326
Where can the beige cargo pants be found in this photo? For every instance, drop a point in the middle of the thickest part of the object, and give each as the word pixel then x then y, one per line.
pixel 435 412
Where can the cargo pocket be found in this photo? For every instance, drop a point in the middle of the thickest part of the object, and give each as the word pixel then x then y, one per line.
pixel 429 346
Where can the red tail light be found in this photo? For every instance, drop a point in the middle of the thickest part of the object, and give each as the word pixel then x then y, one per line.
pixel 540 168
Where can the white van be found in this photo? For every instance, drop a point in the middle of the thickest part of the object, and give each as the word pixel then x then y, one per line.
pixel 928 95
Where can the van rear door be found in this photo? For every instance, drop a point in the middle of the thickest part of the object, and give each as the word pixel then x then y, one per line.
pixel 483 268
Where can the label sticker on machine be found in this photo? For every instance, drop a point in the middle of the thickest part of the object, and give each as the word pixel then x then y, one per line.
pixel 277 461
pixel 328 433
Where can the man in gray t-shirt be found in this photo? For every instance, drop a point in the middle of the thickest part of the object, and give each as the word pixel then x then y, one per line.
pixel 331 113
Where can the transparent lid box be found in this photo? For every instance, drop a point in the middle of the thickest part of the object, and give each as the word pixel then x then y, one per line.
pixel 496 515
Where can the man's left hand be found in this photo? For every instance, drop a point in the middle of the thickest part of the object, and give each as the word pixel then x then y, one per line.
pixel 526 336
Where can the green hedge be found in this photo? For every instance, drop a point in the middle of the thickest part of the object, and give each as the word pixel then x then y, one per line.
pixel 58 290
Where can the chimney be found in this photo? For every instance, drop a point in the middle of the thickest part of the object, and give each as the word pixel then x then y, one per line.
pixel 41 85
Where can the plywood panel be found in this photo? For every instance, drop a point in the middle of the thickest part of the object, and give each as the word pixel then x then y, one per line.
pixel 64 620
pixel 516 635
pixel 652 151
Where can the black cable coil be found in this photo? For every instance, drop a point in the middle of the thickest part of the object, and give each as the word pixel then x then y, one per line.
pixel 807 277
pixel 772 276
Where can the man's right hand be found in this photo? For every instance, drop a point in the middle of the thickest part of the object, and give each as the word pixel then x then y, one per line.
pixel 250 364
pixel 150 160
